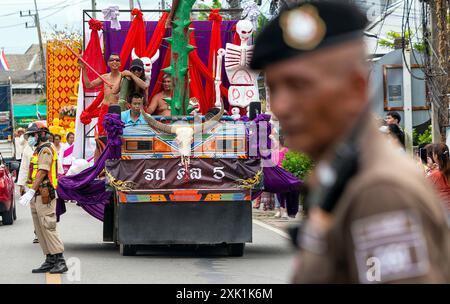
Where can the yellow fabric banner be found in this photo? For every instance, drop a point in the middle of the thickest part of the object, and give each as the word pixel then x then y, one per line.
pixel 63 74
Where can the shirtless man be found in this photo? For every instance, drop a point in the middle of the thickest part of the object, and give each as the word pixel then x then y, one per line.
pixel 158 106
pixel 114 78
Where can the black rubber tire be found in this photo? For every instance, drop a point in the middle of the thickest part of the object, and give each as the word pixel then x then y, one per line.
pixel 127 250
pixel 14 213
pixel 8 217
pixel 236 250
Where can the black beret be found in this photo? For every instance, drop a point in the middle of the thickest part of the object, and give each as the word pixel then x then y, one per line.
pixel 305 28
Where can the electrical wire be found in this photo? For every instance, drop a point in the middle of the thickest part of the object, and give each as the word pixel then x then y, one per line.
pixel 406 11
pixel 48 8
pixel 384 14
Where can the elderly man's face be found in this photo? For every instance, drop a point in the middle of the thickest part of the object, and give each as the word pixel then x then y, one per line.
pixel 314 101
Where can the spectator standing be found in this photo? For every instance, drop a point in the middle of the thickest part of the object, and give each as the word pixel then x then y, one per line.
pixel 441 177
pixel 65 154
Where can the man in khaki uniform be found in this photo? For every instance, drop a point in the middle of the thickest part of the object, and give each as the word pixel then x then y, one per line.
pixel 42 184
pixel 372 217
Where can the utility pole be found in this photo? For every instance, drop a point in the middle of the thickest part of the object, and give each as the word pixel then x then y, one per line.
pixel 131 8
pixel 407 102
pixel 94 8
pixel 439 69
pixel 41 46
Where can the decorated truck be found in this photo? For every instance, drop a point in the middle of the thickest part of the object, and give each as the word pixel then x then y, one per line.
pixel 160 200
pixel 187 178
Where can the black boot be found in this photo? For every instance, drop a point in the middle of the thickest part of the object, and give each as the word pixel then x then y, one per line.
pixel 60 264
pixel 48 264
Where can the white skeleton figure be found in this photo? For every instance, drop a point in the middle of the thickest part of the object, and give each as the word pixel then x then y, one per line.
pixel 243 81
pixel 148 63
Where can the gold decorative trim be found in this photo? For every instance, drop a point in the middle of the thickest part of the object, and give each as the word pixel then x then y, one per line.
pixel 251 182
pixel 118 184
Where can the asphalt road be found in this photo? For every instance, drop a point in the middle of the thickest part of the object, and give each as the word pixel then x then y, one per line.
pixel 268 259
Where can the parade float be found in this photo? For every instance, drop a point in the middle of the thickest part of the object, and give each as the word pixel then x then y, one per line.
pixel 179 179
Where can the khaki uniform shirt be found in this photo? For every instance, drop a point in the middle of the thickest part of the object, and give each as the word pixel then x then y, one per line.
pixel 45 158
pixel 388 225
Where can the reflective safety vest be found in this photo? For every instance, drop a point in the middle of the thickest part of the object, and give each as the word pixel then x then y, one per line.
pixel 52 173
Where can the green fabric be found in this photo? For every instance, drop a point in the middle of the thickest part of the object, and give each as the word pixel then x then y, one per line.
pixel 24 111
pixel 124 86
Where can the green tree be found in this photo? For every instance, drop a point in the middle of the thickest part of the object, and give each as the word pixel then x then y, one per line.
pixel 203 16
pixel 424 138
pixel 298 164
pixel 392 36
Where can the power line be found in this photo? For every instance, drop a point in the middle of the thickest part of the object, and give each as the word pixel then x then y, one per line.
pixel 59 9
pixel 42 9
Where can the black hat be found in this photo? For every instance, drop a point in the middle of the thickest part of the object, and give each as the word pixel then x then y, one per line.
pixel 137 63
pixel 305 28
pixel 35 127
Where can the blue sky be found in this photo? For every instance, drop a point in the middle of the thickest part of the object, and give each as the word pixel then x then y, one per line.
pixel 15 38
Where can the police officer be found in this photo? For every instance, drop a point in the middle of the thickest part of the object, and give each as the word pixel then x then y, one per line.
pixel 371 215
pixel 42 183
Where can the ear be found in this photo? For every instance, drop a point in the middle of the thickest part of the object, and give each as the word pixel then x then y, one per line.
pixel 155 57
pixel 133 54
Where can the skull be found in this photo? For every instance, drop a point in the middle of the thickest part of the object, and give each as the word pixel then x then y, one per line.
pixel 244 28
pixel 184 140
pixel 148 63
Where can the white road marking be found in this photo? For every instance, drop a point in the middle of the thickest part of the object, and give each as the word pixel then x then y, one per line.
pixel 276 230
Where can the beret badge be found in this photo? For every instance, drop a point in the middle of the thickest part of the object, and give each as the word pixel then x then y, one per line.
pixel 303 29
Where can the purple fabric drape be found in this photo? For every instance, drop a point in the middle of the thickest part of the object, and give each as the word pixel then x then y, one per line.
pixel 90 192
pixel 113 41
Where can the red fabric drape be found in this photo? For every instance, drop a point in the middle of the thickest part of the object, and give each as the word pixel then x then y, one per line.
pixel 93 54
pixel 214 45
pixel 135 37
pixel 157 36
pixel 236 38
pixel 93 110
pixel 196 86
pixel 154 45
pixel 203 70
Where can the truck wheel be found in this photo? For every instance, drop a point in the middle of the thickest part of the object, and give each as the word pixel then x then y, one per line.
pixel 236 250
pixel 127 250
pixel 7 217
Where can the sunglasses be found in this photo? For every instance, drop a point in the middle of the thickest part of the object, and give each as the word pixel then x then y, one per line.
pixel 136 69
pixel 116 60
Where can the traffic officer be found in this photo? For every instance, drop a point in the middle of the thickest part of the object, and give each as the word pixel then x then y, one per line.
pixel 372 217
pixel 42 184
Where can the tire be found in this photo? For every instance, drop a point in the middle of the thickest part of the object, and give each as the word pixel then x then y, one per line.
pixel 14 213
pixel 127 250
pixel 236 250
pixel 8 217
